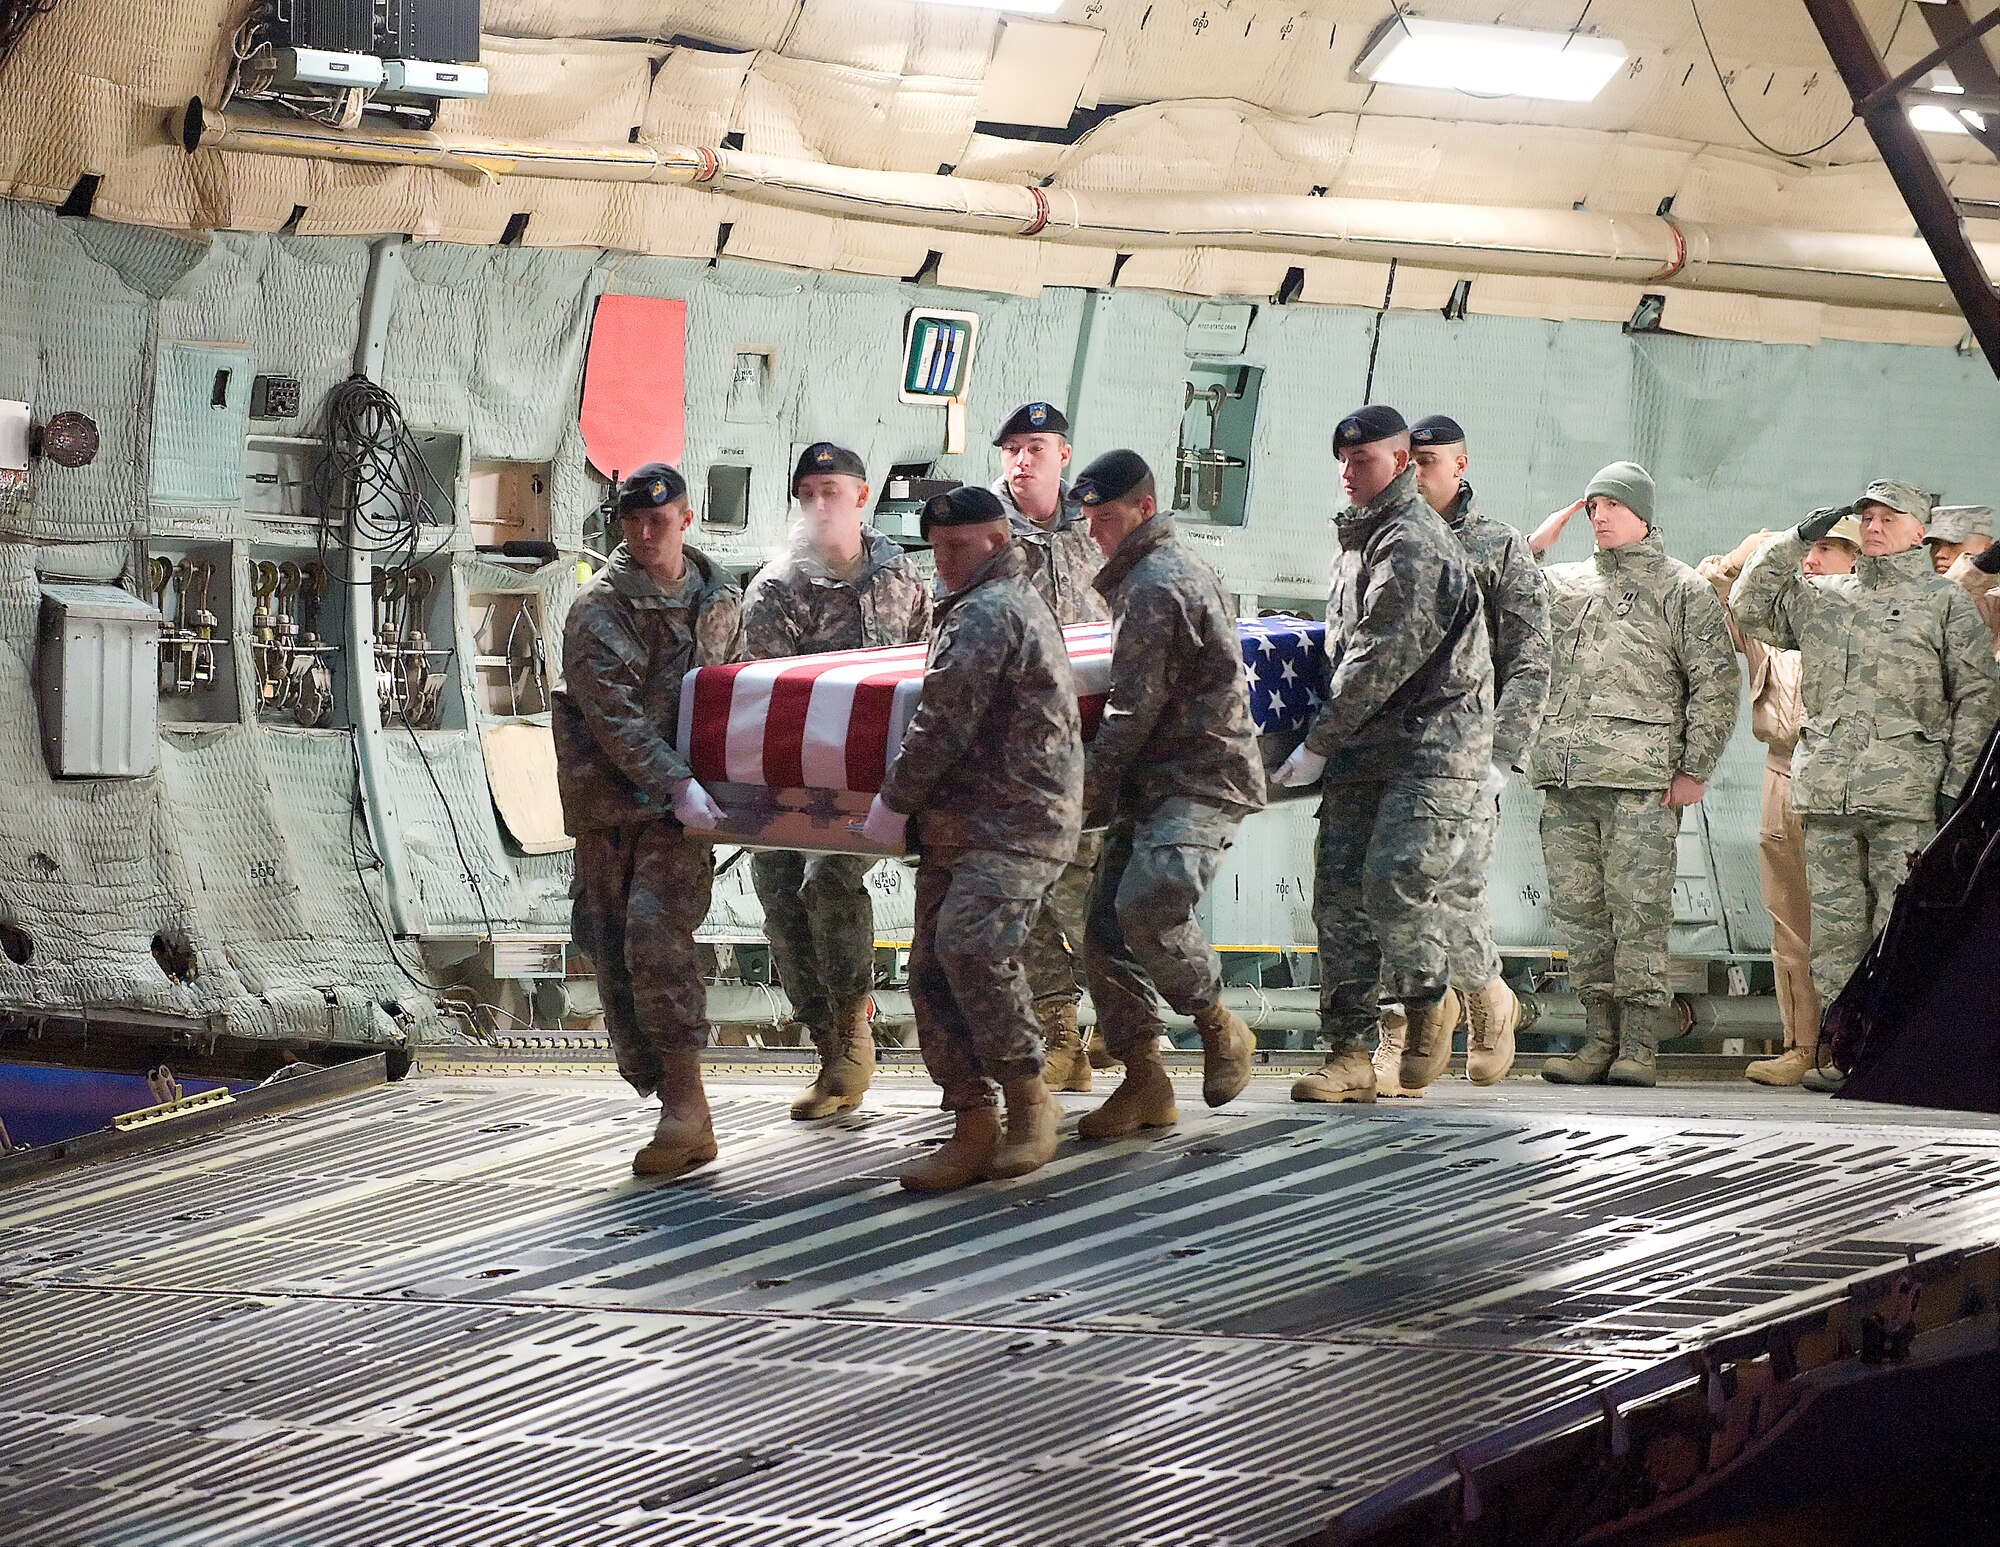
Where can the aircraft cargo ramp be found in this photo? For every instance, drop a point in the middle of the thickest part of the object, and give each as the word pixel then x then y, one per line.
pixel 441 1312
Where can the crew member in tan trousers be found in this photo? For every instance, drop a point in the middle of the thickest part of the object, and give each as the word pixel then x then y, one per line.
pixel 1776 713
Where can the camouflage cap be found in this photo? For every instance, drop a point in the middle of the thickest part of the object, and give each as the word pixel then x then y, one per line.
pixel 1906 497
pixel 1846 530
pixel 1960 523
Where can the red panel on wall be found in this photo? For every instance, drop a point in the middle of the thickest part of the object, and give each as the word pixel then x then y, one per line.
pixel 635 383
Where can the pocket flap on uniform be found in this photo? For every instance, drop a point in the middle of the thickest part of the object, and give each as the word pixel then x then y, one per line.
pixel 1638 714
pixel 1888 727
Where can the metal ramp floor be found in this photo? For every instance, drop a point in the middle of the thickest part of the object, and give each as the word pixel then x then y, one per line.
pixel 441 1312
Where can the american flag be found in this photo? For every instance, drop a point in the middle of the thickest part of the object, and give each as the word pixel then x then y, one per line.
pixel 1286 658
pixel 835 721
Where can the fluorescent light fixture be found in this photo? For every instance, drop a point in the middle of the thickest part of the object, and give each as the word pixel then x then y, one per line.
pixel 1934 118
pixel 1022 7
pixel 1942 120
pixel 1491 61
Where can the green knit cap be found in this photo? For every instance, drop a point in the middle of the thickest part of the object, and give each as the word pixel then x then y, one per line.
pixel 1629 484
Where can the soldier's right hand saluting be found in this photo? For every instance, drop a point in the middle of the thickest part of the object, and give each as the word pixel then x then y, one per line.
pixel 1545 536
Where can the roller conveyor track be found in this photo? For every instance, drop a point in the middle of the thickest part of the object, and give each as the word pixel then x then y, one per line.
pixel 442 1312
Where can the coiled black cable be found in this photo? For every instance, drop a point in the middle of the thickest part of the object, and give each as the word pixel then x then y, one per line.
pixel 371 485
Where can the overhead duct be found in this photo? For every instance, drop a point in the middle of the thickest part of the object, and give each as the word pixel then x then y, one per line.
pixel 1846 269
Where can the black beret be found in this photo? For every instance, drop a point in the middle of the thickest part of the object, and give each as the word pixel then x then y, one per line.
pixel 1034 419
pixel 963 506
pixel 1437 430
pixel 1112 476
pixel 649 488
pixel 825 457
pixel 1364 426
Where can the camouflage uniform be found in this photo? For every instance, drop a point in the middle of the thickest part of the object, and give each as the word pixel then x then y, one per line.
pixel 1407 732
pixel 641 883
pixel 991 771
pixel 1062 557
pixel 1644 686
pixel 1175 768
pixel 818 915
pixel 1899 694
pixel 1062 562
pixel 1516 599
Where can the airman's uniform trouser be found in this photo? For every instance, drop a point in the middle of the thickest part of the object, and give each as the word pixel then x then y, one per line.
pixel 1610 858
pixel 1054 954
pixel 975 1019
pixel 1853 866
pixel 1469 930
pixel 1142 933
pixel 639 892
pixel 1384 850
pixel 820 921
pixel 1781 874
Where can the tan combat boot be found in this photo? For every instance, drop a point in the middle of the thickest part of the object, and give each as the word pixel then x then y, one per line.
pixel 1098 1051
pixel 1347 1075
pixel 1639 1043
pixel 1034 1129
pixel 1228 1050
pixel 1491 1014
pixel 1788 1068
pixel 1393 1033
pixel 1143 1099
pixel 1428 1049
pixel 684 1137
pixel 846 1065
pixel 1064 1064
pixel 963 1158
pixel 1589 1064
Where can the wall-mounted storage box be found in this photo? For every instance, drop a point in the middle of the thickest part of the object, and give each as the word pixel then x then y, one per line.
pixel 278 480
pixel 97 682
pixel 507 502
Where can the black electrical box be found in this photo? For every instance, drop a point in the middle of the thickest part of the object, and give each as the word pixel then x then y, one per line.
pixel 274 397
pixel 440 31
pixel 338 26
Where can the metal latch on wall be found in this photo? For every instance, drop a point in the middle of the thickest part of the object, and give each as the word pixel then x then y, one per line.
pixel 1212 458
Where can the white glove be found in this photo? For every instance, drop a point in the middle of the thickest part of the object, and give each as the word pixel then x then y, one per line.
pixel 1302 768
pixel 1495 781
pixel 695 808
pixel 890 829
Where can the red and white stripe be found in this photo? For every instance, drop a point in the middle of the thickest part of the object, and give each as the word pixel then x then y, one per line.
pixel 833 721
